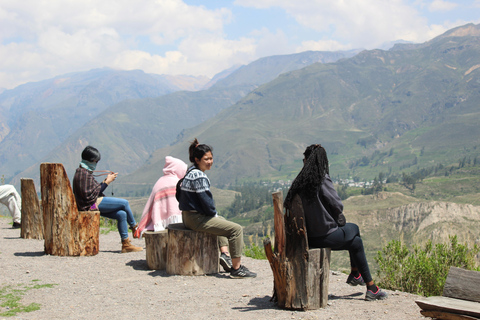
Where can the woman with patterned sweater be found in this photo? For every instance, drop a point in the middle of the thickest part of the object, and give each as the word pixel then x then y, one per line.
pixel 199 213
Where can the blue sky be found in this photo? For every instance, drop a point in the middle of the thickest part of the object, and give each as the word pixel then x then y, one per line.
pixel 40 39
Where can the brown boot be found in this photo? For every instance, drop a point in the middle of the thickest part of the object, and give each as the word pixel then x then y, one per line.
pixel 128 247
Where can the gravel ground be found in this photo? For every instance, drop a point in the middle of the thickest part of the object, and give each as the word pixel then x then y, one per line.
pixel 112 285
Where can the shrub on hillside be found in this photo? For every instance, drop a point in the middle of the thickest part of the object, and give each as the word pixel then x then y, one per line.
pixel 255 252
pixel 423 270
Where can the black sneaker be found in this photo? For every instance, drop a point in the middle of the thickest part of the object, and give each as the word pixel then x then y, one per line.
pixel 16 225
pixel 379 295
pixel 351 280
pixel 242 272
pixel 226 262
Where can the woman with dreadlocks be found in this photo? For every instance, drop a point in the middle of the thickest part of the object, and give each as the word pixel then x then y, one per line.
pixel 324 219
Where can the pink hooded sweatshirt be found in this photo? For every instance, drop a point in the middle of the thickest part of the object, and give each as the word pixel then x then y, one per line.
pixel 162 206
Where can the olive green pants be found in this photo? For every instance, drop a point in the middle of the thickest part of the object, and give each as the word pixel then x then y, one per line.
pixel 229 233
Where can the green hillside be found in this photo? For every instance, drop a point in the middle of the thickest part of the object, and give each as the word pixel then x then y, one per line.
pixel 379 111
pixel 128 132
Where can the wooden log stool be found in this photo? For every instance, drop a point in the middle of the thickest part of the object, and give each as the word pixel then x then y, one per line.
pixel 156 249
pixel 32 217
pixel 67 232
pixel 191 253
pixel 300 274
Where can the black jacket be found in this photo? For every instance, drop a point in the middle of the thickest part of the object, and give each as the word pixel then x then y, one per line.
pixel 321 212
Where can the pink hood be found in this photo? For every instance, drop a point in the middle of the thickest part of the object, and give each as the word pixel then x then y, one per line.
pixel 174 166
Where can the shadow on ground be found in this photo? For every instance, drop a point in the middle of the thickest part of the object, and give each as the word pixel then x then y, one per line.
pixel 258 303
pixel 345 297
pixel 29 254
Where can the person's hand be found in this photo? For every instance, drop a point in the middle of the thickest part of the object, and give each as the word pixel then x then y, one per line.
pixel 111 177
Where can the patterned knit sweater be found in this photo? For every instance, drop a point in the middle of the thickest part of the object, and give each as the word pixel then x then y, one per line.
pixel 196 194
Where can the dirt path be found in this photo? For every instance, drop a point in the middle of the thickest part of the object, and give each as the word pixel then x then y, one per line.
pixel 112 285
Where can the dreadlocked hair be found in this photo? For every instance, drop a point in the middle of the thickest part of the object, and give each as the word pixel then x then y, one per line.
pixel 314 169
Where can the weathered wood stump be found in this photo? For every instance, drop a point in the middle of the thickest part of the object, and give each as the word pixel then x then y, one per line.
pixel 156 243
pixel 88 232
pixel 300 274
pixel 32 217
pixel 191 253
pixel 460 300
pixel 67 232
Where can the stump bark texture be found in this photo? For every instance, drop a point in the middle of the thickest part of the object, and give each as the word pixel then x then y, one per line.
pixel 156 243
pixel 32 217
pixel 300 274
pixel 66 231
pixel 191 252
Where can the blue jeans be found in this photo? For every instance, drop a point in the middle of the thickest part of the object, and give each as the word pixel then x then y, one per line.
pixel 119 209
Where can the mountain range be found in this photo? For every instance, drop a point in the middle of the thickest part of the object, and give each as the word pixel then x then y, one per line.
pixel 127 131
pixel 379 111
pixel 36 117
pixel 412 106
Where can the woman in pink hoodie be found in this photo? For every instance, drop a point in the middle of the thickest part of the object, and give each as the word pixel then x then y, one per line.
pixel 162 206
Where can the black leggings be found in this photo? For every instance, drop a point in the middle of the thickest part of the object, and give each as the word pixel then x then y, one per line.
pixel 346 238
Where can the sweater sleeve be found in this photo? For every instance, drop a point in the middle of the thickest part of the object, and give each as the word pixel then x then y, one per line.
pixel 207 203
pixel 330 198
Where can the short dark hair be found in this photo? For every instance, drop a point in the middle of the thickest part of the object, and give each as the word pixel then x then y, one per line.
pixel 197 150
pixel 91 154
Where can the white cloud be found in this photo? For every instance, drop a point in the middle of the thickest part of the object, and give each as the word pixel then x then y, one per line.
pixel 440 5
pixel 355 23
pixel 43 38
pixel 40 39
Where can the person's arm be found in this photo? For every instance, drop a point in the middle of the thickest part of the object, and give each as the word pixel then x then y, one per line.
pixel 109 179
pixel 208 205
pixel 331 199
pixel 204 196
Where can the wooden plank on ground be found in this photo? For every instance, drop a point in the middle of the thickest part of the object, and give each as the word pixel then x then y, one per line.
pixel 462 284
pixel 446 315
pixel 445 304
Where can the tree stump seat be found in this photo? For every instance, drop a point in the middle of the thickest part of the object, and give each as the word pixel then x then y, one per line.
pixel 32 217
pixel 67 231
pixel 156 249
pixel 188 252
pixel 300 274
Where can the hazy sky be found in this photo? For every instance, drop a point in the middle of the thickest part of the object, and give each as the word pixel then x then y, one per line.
pixel 41 39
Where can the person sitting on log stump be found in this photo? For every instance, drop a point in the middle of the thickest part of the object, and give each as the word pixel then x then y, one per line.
pixel 199 213
pixel 10 197
pixel 89 196
pixel 324 219
pixel 162 206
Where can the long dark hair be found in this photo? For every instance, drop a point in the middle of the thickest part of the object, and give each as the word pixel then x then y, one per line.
pixel 315 168
pixel 197 151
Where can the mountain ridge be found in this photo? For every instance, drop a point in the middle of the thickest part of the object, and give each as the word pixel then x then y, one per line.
pixel 127 132
pixel 393 108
